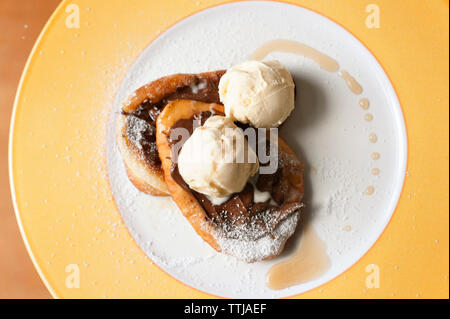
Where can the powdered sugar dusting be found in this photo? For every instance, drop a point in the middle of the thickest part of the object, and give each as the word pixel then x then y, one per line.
pixel 198 87
pixel 135 130
pixel 261 248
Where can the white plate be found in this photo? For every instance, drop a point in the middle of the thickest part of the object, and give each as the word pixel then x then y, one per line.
pixel 327 129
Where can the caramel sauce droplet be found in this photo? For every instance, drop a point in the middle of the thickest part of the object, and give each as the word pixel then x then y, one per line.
pixel 352 84
pixel 368 117
pixel 364 103
pixel 370 190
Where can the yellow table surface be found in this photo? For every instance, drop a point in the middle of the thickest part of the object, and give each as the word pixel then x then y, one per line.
pixel 63 202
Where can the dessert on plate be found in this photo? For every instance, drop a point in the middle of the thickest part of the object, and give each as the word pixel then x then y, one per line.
pixel 210 141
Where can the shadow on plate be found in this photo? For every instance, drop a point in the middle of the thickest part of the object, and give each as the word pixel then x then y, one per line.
pixel 310 108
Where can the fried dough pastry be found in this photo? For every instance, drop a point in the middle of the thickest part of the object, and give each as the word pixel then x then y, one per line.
pixel 242 227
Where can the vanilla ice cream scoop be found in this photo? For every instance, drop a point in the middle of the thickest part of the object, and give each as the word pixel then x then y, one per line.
pixel 216 159
pixel 258 92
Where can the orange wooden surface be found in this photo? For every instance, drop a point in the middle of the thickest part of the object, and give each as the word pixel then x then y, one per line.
pixel 20 22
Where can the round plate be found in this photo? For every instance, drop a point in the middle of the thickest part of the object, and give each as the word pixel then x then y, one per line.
pixel 327 130
pixel 66 192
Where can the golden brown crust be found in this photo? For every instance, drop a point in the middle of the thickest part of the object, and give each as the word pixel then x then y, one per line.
pixel 188 204
pixel 148 177
pixel 158 89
